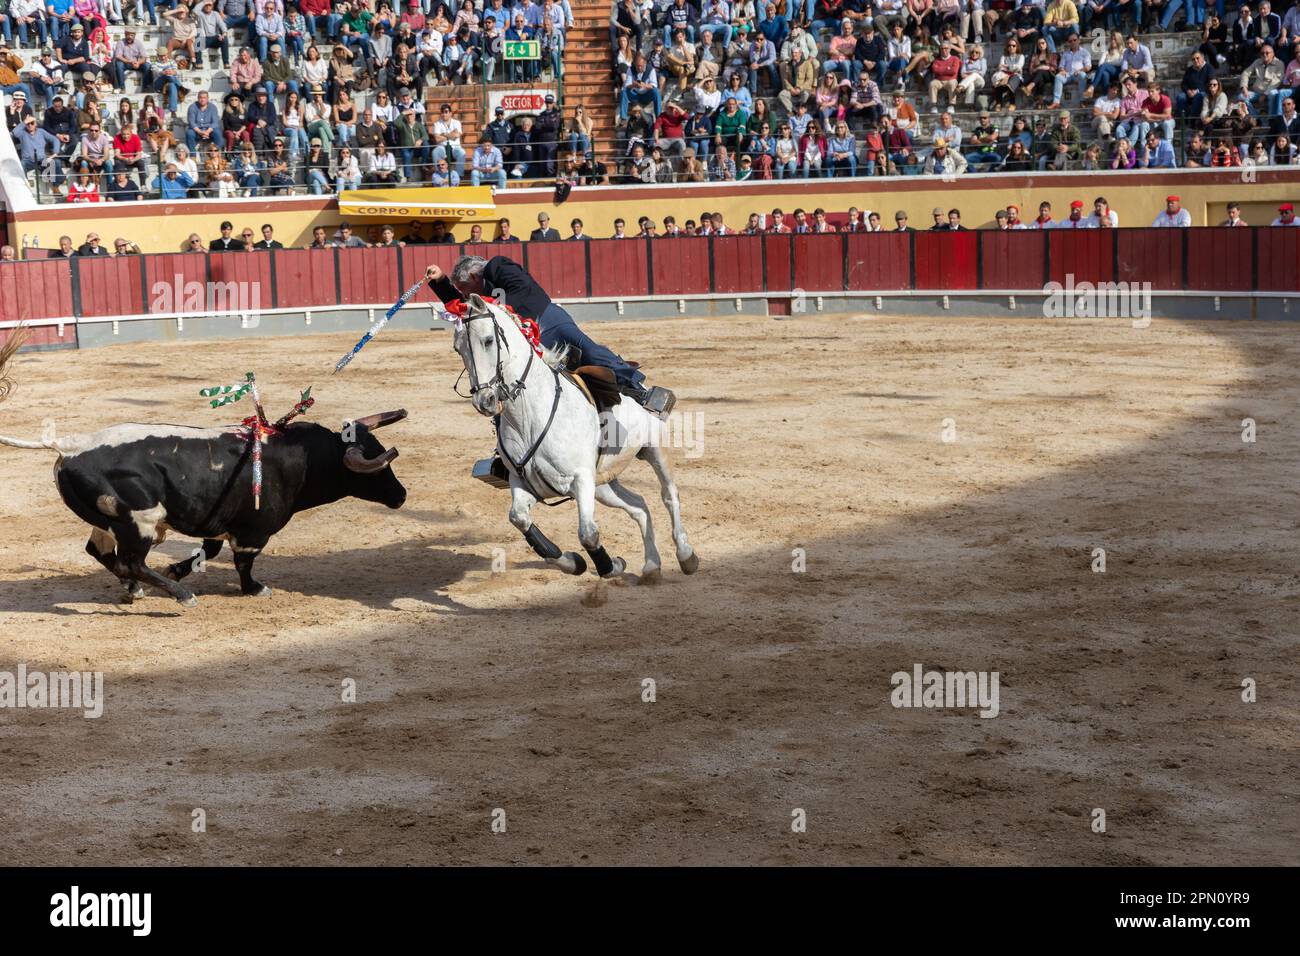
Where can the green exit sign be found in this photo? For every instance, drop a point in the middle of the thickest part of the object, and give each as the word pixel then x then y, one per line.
pixel 523 50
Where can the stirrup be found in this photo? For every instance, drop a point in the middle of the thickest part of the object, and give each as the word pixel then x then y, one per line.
pixel 659 401
pixel 492 471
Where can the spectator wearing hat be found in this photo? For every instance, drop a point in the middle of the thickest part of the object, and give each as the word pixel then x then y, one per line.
pixel 546 136
pixel 172 183
pixel 38 149
pixel 1286 215
pixel 263 121
pixel 278 73
pixel 1173 215
pixel 316 168
pixel 544 232
pixel 212 32
pixel 92 247
pixel 74 54
pixel 17 110
pixel 1066 145
pixel 47 76
pixel 900 222
pixel 10 64
pixel 129 54
pixel 1076 219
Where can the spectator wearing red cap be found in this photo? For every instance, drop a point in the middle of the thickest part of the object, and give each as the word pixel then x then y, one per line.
pixel 1076 220
pixel 1286 215
pixel 1174 215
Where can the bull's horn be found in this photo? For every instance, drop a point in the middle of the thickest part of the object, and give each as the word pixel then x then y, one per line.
pixel 380 419
pixel 356 460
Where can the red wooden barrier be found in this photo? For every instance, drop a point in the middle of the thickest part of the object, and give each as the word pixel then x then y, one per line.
pixel 1151 255
pixel 681 266
pixel 737 264
pixel 618 268
pixel 559 267
pixel 368 276
pixel 304 278
pixel 819 263
pixel 1277 259
pixel 778 253
pixel 415 259
pixel 241 281
pixel 1014 259
pixel 878 262
pixel 947 260
pixel 1219 259
pixel 35 290
pixel 177 283
pixel 111 286
pixel 1086 254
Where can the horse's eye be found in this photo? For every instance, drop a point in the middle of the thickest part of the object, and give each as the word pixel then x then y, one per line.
pixel 487 340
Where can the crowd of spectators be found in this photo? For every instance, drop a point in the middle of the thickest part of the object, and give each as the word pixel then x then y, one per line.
pixel 327 95
pixel 323 95
pixel 747 89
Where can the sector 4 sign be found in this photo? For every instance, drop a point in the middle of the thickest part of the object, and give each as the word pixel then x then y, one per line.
pixel 517 102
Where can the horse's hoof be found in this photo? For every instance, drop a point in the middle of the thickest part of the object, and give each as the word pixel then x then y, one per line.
pixel 190 601
pixel 616 568
pixel 651 577
pixel 261 592
pixel 690 565
pixel 571 563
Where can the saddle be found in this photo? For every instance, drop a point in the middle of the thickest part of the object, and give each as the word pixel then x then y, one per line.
pixel 598 384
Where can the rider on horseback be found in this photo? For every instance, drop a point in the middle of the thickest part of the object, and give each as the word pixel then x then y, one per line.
pixel 507 281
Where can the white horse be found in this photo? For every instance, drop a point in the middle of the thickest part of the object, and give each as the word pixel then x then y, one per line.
pixel 553 443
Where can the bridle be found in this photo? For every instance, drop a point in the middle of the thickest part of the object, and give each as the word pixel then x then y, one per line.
pixel 503 392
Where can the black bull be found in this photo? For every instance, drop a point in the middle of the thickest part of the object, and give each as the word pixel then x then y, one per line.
pixel 198 482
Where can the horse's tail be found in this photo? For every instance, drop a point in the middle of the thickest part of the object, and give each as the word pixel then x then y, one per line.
pixel 7 352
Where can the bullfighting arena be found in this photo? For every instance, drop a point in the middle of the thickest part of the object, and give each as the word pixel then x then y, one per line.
pixel 521 690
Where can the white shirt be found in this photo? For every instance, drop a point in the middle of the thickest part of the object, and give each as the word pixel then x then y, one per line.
pixel 449 129
pixel 1295 221
pixel 1182 218
pixel 1094 221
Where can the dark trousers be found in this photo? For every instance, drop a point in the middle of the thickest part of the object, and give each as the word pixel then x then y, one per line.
pixel 559 329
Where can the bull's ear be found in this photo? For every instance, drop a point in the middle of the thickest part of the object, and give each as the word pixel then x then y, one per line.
pixel 380 419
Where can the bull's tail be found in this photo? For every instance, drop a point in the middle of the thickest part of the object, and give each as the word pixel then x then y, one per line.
pixel 52 444
pixel 7 352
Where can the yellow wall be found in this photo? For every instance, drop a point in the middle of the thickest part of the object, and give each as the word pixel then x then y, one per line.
pixel 1136 197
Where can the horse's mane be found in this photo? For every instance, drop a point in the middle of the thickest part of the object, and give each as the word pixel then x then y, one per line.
pixel 554 358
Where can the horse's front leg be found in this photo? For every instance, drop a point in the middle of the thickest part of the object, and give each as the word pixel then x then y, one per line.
pixel 584 495
pixel 521 506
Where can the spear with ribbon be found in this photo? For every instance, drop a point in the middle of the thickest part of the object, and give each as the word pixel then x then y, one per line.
pixel 259 429
pixel 406 297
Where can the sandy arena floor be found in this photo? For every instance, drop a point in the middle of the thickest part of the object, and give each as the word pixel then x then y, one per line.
pixel 522 690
